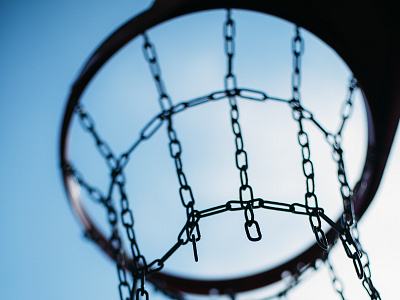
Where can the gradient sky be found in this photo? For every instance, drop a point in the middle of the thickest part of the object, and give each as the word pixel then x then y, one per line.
pixel 43 254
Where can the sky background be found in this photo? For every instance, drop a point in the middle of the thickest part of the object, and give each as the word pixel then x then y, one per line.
pixel 43 254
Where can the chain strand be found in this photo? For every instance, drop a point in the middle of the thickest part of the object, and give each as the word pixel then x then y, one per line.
pixel 245 190
pixel 336 282
pixel 347 106
pixel 103 148
pixel 185 191
pixel 302 136
pixel 367 281
pixel 115 242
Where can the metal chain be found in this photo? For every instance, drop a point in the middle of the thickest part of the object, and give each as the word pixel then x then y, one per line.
pixel 334 141
pixel 337 151
pixel 141 292
pixel 88 124
pixel 151 57
pixel 347 106
pixel 336 282
pixel 185 191
pixel 115 242
pixel 350 239
pixel 156 122
pixel 297 50
pixel 241 154
pixel 352 249
pixel 345 190
pixel 125 290
pixel 308 167
pixel 367 281
pixel 117 178
pixel 139 262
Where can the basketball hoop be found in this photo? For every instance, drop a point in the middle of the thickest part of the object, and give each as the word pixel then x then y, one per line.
pixel 378 82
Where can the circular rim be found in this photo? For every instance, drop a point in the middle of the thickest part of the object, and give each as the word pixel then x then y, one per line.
pixel 165 10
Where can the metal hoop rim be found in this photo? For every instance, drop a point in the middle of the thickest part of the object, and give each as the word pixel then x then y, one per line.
pixel 160 12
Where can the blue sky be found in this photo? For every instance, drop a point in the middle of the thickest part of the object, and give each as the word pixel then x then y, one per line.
pixel 45 44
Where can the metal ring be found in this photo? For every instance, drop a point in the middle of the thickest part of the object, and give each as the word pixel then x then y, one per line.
pixel 378 84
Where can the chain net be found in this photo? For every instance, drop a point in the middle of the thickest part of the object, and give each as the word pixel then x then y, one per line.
pixel 132 276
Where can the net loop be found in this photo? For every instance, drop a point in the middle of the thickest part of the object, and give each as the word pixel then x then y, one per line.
pixel 142 294
pixel 124 290
pixel 186 195
pixel 155 266
pixel 358 265
pixel 320 237
pixel 256 236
